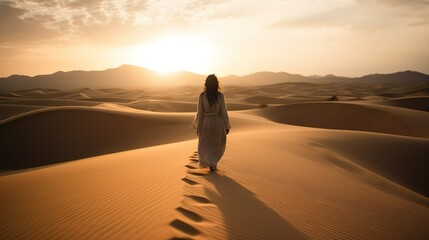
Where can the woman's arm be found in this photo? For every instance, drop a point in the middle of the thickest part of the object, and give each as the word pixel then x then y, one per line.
pixel 224 112
pixel 199 115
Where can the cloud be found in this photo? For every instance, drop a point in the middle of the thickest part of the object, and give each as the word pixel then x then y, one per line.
pixel 7 53
pixel 102 21
pixel 27 23
pixel 359 16
pixel 396 3
pixel 15 29
pixel 83 3
pixel 346 16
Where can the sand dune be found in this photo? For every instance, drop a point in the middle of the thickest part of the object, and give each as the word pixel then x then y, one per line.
pixel 60 134
pixel 176 106
pixel 400 159
pixel 273 100
pixel 170 100
pixel 106 169
pixel 274 183
pixel 416 103
pixel 14 107
pixel 11 110
pixel 318 191
pixel 47 102
pixel 128 195
pixel 348 116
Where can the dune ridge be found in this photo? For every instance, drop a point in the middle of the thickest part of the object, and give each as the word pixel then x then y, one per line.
pixel 53 135
pixel 417 103
pixel 403 160
pixel 351 116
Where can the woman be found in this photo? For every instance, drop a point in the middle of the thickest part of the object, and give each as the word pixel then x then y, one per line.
pixel 212 124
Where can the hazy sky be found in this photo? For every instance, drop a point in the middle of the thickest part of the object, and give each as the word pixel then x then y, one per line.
pixel 342 37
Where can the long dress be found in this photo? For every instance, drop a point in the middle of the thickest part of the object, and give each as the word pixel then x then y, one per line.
pixel 211 123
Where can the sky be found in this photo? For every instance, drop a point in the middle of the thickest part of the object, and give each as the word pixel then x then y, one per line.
pixel 309 37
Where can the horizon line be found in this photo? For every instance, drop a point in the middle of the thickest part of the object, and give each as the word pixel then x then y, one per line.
pixel 224 76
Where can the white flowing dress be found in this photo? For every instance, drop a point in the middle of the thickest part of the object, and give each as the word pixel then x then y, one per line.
pixel 211 123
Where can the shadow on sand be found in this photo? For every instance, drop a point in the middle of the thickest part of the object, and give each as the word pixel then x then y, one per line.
pixel 245 216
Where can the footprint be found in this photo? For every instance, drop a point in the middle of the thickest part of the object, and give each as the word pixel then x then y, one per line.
pixel 189 181
pixel 199 199
pixel 194 159
pixel 190 167
pixel 197 173
pixel 180 238
pixel 184 227
pixel 191 215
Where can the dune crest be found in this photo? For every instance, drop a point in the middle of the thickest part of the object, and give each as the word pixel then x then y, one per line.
pixel 351 116
pixel 61 134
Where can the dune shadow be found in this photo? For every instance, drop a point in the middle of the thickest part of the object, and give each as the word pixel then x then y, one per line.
pixel 245 216
pixel 60 135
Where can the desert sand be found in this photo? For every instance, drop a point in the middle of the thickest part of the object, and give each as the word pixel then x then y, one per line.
pixel 122 164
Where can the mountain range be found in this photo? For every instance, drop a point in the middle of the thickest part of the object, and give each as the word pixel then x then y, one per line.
pixel 134 77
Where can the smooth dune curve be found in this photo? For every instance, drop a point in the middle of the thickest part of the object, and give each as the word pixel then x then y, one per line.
pixel 351 116
pixel 61 134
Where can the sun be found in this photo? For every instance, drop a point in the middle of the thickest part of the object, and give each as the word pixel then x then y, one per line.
pixel 174 53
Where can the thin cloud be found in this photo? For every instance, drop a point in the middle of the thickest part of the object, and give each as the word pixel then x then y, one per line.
pixel 346 16
pixel 359 17
pixel 396 3
pixel 83 3
pixel 420 23
pixel 7 52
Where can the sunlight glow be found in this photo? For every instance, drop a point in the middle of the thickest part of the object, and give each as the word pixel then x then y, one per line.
pixel 175 53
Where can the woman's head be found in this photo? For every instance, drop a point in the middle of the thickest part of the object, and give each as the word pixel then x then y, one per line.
pixel 212 84
pixel 211 87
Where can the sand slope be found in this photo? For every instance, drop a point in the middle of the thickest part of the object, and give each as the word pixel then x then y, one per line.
pixel 351 116
pixel 307 170
pixel 128 195
pixel 400 159
pixel 54 135
pixel 59 134
pixel 417 103
pixel 318 192
pixel 273 184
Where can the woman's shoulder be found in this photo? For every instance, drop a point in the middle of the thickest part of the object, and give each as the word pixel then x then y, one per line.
pixel 204 94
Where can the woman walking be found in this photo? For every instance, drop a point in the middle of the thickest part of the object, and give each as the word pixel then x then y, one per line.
pixel 212 124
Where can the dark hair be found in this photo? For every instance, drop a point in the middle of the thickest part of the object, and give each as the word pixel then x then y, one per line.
pixel 211 88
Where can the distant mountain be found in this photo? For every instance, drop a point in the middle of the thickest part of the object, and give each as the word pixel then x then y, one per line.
pixel 263 78
pixel 125 76
pixel 398 77
pixel 270 78
pixel 134 77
